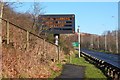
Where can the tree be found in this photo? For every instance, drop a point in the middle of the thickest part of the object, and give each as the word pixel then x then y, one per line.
pixel 35 12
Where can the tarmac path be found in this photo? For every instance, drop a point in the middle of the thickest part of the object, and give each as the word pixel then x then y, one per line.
pixel 72 72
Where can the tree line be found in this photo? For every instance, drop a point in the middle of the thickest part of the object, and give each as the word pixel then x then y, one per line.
pixel 107 42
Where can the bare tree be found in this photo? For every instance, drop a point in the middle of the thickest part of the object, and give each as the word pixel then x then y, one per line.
pixel 35 12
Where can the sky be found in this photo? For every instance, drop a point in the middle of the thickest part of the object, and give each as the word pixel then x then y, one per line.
pixel 60 0
pixel 92 17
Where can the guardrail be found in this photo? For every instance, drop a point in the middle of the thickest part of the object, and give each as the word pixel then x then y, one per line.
pixel 112 72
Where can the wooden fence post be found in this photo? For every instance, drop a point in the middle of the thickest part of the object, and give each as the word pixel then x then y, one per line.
pixel 44 49
pixel 8 35
pixel 58 53
pixel 27 40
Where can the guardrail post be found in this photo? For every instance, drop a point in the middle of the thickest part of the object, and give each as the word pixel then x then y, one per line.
pixel 8 35
pixel 112 75
pixel 108 71
pixel 118 75
pixel 114 72
pixel 27 40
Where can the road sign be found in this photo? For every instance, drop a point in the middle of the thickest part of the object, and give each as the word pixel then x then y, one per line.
pixel 58 24
pixel 75 44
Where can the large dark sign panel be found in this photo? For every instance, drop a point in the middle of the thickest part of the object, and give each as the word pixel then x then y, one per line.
pixel 58 24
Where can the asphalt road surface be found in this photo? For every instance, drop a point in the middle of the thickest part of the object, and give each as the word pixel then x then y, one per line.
pixel 113 59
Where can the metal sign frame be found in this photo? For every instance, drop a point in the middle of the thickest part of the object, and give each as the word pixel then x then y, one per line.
pixel 58 23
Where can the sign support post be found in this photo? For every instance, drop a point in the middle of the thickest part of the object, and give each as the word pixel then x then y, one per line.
pixel 56 36
pixel 79 39
pixel 58 24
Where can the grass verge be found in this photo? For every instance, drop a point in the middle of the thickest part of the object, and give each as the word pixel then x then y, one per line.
pixel 90 71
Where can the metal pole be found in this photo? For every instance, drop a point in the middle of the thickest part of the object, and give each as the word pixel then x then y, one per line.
pixel 79 39
pixel 116 41
pixel 105 42
pixel 98 43
pixel 91 41
pixel 57 43
pixel 116 35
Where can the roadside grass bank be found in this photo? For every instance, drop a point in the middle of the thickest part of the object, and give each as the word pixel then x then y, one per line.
pixel 91 72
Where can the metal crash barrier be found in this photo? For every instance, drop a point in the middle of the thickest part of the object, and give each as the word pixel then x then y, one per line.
pixel 109 70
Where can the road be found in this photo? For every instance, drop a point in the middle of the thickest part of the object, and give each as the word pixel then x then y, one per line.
pixel 113 59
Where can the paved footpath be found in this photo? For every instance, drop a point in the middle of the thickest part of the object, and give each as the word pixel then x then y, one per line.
pixel 72 72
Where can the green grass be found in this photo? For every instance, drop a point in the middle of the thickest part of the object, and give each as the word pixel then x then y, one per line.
pixel 90 71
